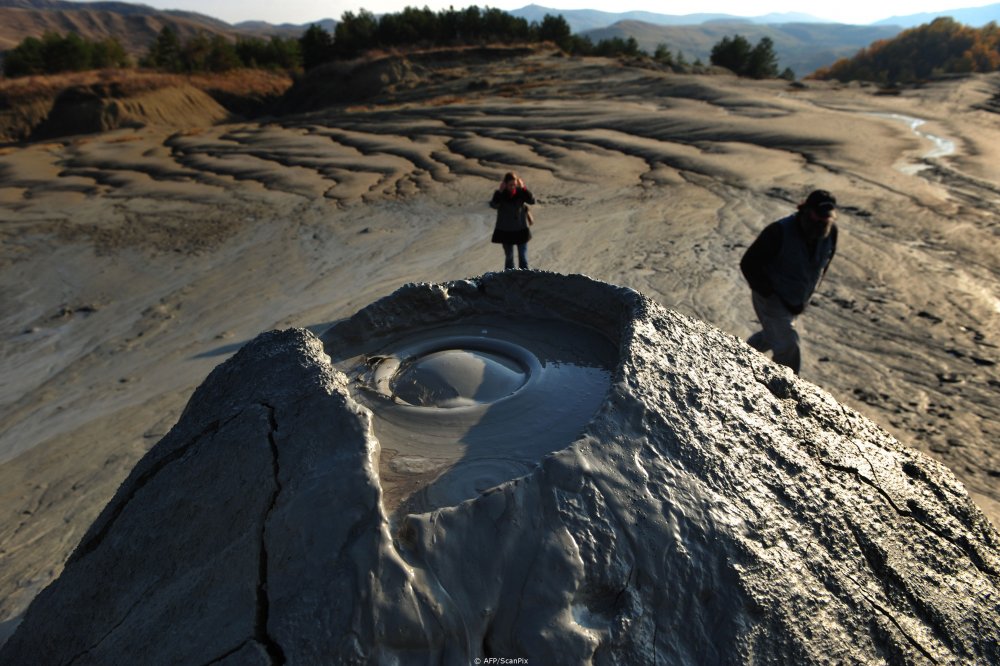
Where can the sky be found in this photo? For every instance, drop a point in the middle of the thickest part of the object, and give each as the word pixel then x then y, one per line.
pixel 305 11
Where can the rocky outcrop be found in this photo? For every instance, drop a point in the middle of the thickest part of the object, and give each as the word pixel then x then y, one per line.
pixel 350 82
pixel 100 108
pixel 42 108
pixel 387 79
pixel 715 509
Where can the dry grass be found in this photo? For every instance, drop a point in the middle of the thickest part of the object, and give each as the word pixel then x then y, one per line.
pixel 258 82
pixel 129 82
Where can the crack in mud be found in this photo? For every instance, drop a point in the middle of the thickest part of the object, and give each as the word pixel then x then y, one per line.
pixel 261 635
pixel 910 639
pixel 89 546
pixel 110 631
pixel 974 557
pixel 230 653
pixel 781 388
pixel 873 562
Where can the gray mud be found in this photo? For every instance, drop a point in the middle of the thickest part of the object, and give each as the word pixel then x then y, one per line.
pixel 462 407
pixel 703 505
pixel 135 261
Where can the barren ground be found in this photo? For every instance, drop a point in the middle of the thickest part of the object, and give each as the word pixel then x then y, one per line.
pixel 134 261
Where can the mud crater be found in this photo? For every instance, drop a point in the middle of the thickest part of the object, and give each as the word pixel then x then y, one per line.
pixel 463 407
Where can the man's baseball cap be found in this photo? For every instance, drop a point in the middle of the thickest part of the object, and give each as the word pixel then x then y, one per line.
pixel 821 200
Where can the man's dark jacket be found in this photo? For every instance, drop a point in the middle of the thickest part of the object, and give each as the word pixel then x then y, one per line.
pixel 781 262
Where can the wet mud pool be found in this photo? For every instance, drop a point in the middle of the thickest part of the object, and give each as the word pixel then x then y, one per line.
pixel 460 408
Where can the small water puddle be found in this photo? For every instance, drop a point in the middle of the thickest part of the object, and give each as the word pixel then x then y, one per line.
pixel 942 146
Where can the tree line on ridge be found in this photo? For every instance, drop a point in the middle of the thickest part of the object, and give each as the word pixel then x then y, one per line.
pixel 941 47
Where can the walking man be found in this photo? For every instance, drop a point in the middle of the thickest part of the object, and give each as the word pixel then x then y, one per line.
pixel 783 267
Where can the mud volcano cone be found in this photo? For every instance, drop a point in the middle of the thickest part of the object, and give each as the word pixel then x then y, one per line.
pixel 522 466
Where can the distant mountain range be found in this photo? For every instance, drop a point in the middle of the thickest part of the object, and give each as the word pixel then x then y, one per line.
pixel 803 42
pixel 802 47
pixel 976 17
pixel 583 20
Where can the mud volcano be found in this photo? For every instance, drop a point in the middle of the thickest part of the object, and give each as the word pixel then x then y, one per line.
pixel 522 466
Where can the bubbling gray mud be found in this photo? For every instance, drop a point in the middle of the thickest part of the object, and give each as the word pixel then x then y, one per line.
pixel 460 408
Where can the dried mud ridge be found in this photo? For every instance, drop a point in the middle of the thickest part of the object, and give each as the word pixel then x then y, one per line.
pixel 360 155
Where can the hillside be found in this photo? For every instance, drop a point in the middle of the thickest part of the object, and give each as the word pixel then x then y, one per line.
pixel 35 108
pixel 804 47
pixel 942 47
pixel 135 26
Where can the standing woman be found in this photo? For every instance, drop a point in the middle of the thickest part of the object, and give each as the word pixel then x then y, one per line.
pixel 513 219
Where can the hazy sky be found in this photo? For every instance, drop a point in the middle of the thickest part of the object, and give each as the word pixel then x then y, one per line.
pixel 304 11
